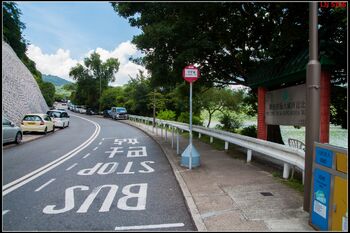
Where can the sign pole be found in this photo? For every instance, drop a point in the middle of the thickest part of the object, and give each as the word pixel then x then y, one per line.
pixel 190 166
pixel 190 157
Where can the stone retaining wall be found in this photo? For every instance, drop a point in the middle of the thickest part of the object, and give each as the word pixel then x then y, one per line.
pixel 20 92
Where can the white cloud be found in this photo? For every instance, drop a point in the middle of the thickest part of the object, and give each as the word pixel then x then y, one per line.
pixel 61 62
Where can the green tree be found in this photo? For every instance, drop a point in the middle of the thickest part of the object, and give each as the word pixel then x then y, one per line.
pixel 92 79
pixel 229 39
pixel 48 90
pixel 113 96
pixel 13 27
pixel 215 99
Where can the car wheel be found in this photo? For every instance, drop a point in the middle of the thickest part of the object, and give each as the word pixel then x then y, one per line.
pixel 18 138
pixel 45 131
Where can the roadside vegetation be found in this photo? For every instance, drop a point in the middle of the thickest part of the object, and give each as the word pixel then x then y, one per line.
pixel 225 48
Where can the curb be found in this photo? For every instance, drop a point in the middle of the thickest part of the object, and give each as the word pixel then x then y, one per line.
pixel 10 145
pixel 191 205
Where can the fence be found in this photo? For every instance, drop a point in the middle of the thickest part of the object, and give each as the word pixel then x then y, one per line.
pixel 290 157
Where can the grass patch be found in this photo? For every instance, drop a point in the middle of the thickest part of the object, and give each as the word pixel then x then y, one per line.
pixel 293 183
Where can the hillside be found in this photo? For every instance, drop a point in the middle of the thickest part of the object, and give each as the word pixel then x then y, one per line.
pixel 55 80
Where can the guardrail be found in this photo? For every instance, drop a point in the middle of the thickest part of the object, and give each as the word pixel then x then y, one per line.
pixel 290 157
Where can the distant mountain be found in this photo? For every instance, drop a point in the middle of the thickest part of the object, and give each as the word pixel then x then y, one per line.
pixel 55 80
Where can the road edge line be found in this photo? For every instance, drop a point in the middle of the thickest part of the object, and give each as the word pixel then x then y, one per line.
pixel 42 170
pixel 191 205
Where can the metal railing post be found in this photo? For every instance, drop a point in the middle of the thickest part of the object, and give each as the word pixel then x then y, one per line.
pixel 286 169
pixel 249 155
pixel 226 145
pixel 177 142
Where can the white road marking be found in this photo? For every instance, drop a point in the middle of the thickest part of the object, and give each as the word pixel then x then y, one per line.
pixel 44 185
pixel 71 166
pixel 100 143
pixel 5 212
pixel 85 156
pixel 167 225
pixel 33 175
pixel 95 148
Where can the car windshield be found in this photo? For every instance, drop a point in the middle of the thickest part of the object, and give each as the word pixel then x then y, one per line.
pixel 54 114
pixel 121 110
pixel 31 118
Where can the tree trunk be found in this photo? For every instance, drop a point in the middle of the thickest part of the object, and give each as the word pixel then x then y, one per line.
pixel 209 119
pixel 274 134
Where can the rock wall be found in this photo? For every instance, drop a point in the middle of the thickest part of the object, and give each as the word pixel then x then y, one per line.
pixel 20 92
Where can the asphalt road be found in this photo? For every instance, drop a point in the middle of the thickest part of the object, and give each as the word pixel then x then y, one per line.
pixel 97 174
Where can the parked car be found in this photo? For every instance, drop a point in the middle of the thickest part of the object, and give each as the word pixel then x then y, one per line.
pixel 61 105
pixel 81 109
pixel 90 111
pixel 60 118
pixel 118 113
pixel 107 113
pixel 37 122
pixel 10 132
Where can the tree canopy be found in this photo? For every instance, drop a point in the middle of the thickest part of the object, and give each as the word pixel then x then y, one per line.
pixel 225 39
pixel 92 79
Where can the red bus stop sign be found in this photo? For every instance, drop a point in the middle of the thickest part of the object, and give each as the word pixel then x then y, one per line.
pixel 190 73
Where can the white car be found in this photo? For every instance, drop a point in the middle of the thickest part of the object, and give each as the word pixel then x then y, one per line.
pixel 60 118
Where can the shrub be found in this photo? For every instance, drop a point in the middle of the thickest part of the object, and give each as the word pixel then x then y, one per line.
pixel 167 115
pixel 249 131
pixel 185 118
pixel 230 122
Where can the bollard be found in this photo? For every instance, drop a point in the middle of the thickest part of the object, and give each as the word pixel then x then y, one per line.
pixel 226 145
pixel 249 155
pixel 199 135
pixel 156 130
pixel 286 169
pixel 211 139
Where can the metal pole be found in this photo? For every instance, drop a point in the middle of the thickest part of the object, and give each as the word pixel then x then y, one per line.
pixel 99 110
pixel 313 74
pixel 154 107
pixel 190 166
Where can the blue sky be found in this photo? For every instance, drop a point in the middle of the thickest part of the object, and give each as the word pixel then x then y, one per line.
pixel 71 30
pixel 77 26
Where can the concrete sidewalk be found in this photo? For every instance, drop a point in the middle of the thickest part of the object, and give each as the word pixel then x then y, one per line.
pixel 227 194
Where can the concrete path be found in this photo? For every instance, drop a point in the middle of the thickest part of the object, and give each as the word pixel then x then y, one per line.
pixel 227 194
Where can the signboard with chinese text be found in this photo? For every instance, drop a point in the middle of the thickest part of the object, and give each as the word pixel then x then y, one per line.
pixel 190 73
pixel 286 106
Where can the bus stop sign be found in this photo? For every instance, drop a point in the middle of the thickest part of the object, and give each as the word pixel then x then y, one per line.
pixel 190 73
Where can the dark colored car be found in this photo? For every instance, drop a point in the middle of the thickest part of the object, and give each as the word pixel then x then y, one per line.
pixel 90 111
pixel 106 113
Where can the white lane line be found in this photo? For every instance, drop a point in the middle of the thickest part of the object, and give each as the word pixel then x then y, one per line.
pixel 100 143
pixel 5 212
pixel 71 166
pixel 33 175
pixel 44 185
pixel 85 156
pixel 95 148
pixel 167 225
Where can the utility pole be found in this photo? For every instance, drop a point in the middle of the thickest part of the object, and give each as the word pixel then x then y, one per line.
pixel 313 74
pixel 154 108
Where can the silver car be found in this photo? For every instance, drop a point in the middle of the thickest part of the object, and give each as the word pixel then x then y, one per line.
pixel 10 132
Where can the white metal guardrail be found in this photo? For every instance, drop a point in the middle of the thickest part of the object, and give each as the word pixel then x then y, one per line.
pixel 290 157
